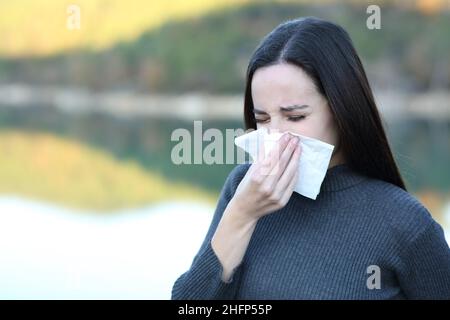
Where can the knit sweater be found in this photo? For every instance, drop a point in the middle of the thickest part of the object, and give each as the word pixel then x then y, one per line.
pixel 362 238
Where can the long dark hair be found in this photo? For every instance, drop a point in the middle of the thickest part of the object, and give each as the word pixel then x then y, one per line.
pixel 326 53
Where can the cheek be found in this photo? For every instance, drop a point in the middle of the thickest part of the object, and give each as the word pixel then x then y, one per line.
pixel 316 128
pixel 305 128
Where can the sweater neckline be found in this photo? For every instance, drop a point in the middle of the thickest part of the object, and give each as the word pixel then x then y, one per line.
pixel 341 177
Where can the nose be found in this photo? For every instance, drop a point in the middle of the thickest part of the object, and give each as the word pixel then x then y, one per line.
pixel 276 126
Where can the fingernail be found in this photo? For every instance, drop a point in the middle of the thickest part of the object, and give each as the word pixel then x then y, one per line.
pixel 293 142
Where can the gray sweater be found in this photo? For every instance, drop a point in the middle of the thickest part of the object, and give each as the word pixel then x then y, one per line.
pixel 362 238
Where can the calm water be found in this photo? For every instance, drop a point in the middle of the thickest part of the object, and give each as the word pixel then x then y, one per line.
pixel 47 252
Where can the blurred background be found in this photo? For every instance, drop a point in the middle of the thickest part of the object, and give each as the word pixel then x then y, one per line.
pixel 91 205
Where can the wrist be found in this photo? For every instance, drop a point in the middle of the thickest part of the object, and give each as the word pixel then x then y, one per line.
pixel 240 214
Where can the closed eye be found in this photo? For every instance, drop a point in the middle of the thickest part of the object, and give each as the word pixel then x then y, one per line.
pixel 291 118
pixel 296 118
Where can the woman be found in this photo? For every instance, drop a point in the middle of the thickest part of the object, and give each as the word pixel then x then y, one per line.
pixel 364 237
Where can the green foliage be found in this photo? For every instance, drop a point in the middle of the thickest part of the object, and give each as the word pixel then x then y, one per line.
pixel 210 53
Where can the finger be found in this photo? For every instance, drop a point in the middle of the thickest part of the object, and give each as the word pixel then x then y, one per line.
pixel 282 162
pixel 289 172
pixel 282 199
pixel 286 154
pixel 272 160
pixel 290 189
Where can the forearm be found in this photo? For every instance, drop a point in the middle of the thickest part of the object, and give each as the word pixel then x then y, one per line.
pixel 231 239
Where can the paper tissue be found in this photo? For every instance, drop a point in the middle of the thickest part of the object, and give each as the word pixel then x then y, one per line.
pixel 314 158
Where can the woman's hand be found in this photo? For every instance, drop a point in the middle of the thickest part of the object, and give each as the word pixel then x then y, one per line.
pixel 270 181
pixel 266 187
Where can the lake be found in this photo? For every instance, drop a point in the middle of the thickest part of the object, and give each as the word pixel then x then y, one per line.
pixel 49 252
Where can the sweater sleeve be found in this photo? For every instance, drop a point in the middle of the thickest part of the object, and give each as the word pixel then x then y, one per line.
pixel 203 281
pixel 425 272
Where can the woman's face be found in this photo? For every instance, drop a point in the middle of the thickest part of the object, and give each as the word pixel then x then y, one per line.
pixel 285 99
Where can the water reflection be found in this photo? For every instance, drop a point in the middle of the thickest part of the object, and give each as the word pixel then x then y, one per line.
pixel 47 252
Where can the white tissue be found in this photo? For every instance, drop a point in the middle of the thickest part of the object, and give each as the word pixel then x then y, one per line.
pixel 314 158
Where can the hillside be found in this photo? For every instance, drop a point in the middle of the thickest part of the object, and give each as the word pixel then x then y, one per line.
pixel 62 171
pixel 29 27
pixel 209 52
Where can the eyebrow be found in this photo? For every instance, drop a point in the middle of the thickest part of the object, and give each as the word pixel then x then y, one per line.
pixel 284 109
pixel 293 107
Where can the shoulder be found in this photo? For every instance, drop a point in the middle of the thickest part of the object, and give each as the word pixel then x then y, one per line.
pixel 233 179
pixel 236 175
pixel 400 209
